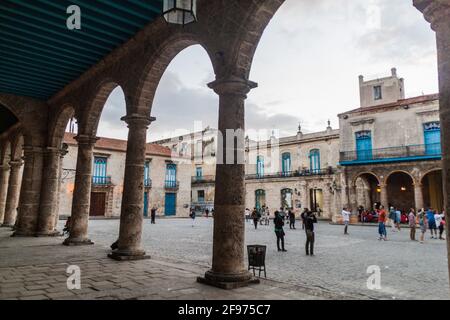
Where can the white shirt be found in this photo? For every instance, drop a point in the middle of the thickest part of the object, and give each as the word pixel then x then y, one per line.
pixel 438 219
pixel 346 215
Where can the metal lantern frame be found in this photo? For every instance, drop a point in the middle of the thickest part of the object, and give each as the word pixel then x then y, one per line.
pixel 174 6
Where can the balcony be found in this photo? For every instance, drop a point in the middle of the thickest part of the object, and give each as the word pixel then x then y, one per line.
pixel 171 185
pixel 147 183
pixel 392 154
pixel 203 179
pixel 101 181
pixel 292 174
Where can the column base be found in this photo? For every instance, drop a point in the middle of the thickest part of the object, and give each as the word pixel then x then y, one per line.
pixel 54 233
pixel 19 233
pixel 228 281
pixel 7 226
pixel 125 255
pixel 77 242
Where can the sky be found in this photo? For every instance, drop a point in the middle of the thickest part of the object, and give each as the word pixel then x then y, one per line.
pixel 307 66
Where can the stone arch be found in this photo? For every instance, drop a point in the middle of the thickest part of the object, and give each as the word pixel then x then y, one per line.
pixel 360 174
pixel 252 30
pixel 143 96
pixel 32 115
pixel 386 178
pixel 89 117
pixel 424 174
pixel 58 124
pixel 17 143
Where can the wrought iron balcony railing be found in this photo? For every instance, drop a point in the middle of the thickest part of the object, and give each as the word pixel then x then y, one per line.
pixel 203 179
pixel 101 181
pixel 400 153
pixel 291 174
pixel 172 185
pixel 148 183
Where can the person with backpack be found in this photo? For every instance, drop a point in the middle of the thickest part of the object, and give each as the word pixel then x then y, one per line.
pixel 279 232
pixel 310 235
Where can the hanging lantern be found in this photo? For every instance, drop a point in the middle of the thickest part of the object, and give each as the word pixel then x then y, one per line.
pixel 180 11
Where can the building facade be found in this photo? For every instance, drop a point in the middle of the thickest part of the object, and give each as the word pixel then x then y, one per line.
pixel 294 172
pixel 390 152
pixel 166 180
pixel 200 147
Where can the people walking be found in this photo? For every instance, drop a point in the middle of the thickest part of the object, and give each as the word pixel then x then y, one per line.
pixel 432 223
pixel 382 224
pixel 346 218
pixel 310 236
pixel 206 212
pixel 392 216
pixel 422 220
pixel 255 217
pixel 153 215
pixel 291 219
pixel 279 232
pixel 398 218
pixel 192 215
pixel 412 224
pixel 440 223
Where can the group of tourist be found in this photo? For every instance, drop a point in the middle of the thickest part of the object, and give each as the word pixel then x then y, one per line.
pixel 426 220
pixel 308 218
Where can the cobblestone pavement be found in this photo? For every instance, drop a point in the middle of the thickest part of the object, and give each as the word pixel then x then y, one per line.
pixel 35 267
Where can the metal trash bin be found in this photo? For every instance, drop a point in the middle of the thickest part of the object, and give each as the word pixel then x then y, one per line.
pixel 257 259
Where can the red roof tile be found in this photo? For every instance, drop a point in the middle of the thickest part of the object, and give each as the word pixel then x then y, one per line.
pixel 120 145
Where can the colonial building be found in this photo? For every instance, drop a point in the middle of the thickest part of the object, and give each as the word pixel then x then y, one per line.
pixel 390 148
pixel 294 172
pixel 200 147
pixel 166 179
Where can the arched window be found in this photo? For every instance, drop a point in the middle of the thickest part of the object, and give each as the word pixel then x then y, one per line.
pixel 99 174
pixel 432 137
pixel 260 166
pixel 287 199
pixel 314 160
pixel 286 163
pixel 363 145
pixel 171 175
pixel 260 198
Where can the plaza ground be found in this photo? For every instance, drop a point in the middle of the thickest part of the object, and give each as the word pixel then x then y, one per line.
pixel 35 268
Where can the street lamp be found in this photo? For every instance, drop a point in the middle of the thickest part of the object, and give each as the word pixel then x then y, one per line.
pixel 180 11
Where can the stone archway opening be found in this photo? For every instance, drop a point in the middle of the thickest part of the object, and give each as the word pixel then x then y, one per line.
pixel 400 189
pixel 368 191
pixel 432 188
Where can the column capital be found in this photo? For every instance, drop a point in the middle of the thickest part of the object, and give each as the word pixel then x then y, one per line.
pixel 15 164
pixel 86 140
pixel 232 85
pixel 417 185
pixel 135 119
pixel 436 12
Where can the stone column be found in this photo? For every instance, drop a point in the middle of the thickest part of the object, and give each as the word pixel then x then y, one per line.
pixel 384 196
pixel 30 192
pixel 131 216
pixel 438 14
pixel 12 198
pixel 4 176
pixel 60 172
pixel 82 192
pixel 353 197
pixel 49 194
pixel 228 265
pixel 418 196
